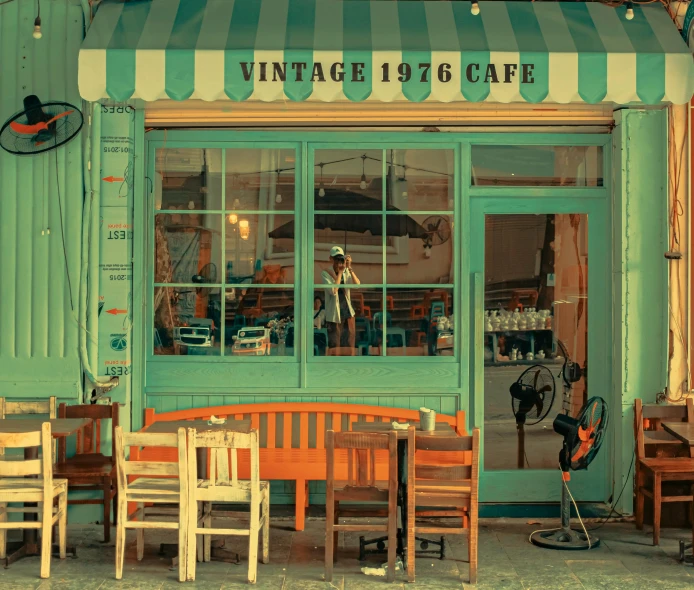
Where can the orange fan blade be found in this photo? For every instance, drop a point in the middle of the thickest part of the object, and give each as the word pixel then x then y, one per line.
pixel 28 129
pixel 582 450
pixel 60 116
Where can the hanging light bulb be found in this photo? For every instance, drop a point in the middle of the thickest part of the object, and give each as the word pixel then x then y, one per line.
pixel 191 205
pixel 404 180
pixel 630 11
pixel 362 183
pixel 244 229
pixel 233 218
pixel 475 8
pixel 37 34
pixel 278 196
pixel 321 190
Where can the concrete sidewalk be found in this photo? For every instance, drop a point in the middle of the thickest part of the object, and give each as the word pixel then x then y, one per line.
pixel 625 560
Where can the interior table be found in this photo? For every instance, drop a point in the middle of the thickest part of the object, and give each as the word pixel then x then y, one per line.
pixel 163 427
pixel 60 427
pixel 685 432
pixel 442 429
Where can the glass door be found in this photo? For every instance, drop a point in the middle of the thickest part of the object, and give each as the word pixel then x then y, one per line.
pixel 542 339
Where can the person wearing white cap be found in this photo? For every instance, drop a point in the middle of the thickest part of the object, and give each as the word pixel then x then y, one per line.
pixel 339 313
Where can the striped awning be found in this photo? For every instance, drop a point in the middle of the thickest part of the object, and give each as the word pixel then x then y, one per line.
pixel 357 50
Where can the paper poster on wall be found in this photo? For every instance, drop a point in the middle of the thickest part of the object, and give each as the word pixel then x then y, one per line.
pixel 117 147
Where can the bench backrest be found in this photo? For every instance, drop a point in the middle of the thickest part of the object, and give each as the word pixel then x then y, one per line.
pixel 302 425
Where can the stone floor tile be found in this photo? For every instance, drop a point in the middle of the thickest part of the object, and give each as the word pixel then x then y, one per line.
pixel 70 582
pixel 548 582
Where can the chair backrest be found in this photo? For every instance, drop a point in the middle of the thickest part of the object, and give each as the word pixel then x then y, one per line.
pixel 134 468
pixel 223 446
pixel 361 448
pixel 89 439
pixel 41 467
pixel 460 467
pixel 648 418
pixel 49 407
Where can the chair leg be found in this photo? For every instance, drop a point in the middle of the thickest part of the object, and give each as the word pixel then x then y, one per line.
pixel 140 532
pixel 46 508
pixel 300 508
pixel 640 498
pixel 3 532
pixel 329 538
pixel 207 539
pixel 182 540
pixel 253 542
pixel 192 537
pixel 62 524
pixel 472 543
pixel 410 539
pixel 107 509
pixel 392 545
pixel 120 537
pixel 657 501
pixel 266 526
pixel 115 502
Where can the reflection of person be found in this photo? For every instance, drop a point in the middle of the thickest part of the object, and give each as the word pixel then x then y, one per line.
pixel 318 313
pixel 339 313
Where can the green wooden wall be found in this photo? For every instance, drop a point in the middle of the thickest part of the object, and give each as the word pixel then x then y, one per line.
pixel 38 328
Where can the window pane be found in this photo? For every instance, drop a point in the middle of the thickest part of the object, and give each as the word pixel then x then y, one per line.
pixel 424 253
pixel 357 236
pixel 420 180
pixel 187 321
pixel 259 321
pixel 419 322
pixel 188 179
pixel 348 180
pixel 537 165
pixel 343 322
pixel 536 314
pixel 188 248
pixel 259 247
pixel 260 179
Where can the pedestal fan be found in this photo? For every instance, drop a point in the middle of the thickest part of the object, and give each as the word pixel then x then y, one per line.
pixel 533 392
pixel 583 436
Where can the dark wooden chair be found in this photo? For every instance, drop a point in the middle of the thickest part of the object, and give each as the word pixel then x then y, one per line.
pixel 360 486
pixel 443 481
pixel 90 469
pixel 660 457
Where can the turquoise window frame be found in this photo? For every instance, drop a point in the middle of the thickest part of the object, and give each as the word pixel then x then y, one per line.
pixel 310 377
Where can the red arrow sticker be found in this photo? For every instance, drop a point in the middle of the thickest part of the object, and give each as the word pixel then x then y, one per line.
pixel 115 311
pixel 112 179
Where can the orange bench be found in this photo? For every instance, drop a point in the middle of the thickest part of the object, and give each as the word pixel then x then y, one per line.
pixel 292 436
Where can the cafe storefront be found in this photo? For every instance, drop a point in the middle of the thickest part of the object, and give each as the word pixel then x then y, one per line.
pixel 391 203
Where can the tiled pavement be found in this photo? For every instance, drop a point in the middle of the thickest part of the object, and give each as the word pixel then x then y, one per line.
pixel 625 560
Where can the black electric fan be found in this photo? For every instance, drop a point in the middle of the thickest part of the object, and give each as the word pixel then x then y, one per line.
pixel 532 394
pixel 40 127
pixel 583 436
pixel 206 275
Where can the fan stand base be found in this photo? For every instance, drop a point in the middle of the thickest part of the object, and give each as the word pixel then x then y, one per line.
pixel 564 538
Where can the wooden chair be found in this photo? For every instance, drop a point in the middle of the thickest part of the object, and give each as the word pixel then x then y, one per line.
pixel 151 482
pixel 656 461
pixel 89 469
pixel 17 487
pixel 444 488
pixel 46 407
pixel 360 485
pixel 222 486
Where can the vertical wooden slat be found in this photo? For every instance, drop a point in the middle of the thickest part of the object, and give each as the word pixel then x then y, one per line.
pixel 320 430
pixel 234 467
pixel 352 419
pixel 271 430
pixel 255 421
pixel 337 422
pixel 303 435
pixel 350 466
pixel 287 430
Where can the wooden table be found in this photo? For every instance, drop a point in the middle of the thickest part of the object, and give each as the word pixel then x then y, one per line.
pixel 172 426
pixel 442 429
pixel 60 427
pixel 684 431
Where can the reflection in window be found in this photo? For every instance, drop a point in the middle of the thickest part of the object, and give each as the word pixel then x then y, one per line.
pixel 258 241
pixel 188 179
pixel 420 180
pixel 187 321
pixel 537 165
pixel 535 324
pixel 261 179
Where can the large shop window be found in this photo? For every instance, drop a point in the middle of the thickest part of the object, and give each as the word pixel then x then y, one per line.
pixel 383 253
pixel 222 284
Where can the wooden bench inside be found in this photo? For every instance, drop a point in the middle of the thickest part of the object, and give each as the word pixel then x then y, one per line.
pixel 292 437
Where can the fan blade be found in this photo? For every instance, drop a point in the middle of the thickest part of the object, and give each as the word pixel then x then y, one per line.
pixel 537 376
pixel 582 451
pixel 28 129
pixel 545 388
pixel 539 404
pixel 59 116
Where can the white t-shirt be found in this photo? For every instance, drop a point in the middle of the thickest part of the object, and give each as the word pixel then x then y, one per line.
pixel 318 318
pixel 332 305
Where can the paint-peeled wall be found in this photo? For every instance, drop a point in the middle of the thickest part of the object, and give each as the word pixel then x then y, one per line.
pixel 39 275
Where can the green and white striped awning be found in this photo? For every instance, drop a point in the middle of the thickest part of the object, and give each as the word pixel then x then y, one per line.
pixel 380 50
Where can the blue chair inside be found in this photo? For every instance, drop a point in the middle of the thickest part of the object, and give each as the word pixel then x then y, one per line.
pixel 363 340
pixel 437 310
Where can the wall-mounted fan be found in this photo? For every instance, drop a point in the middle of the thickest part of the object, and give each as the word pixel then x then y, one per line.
pixel 206 275
pixel 583 436
pixel 438 230
pixel 531 395
pixel 40 127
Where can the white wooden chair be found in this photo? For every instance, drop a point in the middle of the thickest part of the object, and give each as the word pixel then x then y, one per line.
pixel 16 486
pixel 151 482
pixel 220 487
pixel 47 407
